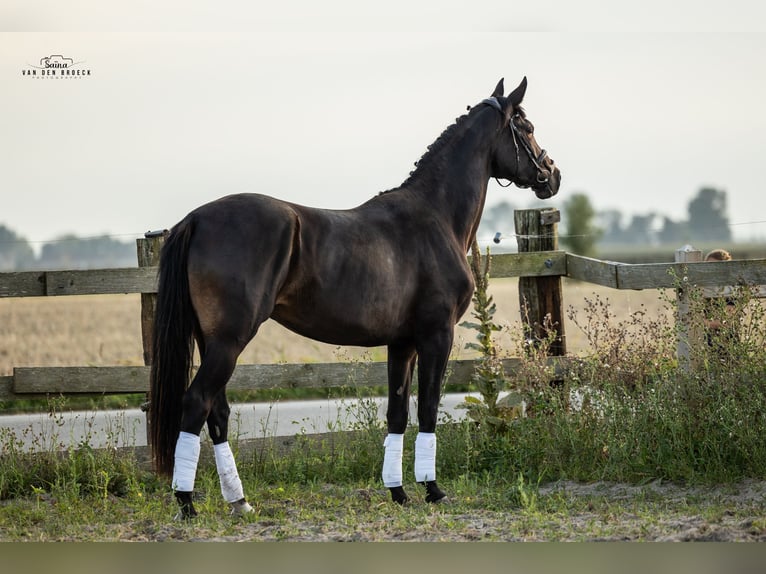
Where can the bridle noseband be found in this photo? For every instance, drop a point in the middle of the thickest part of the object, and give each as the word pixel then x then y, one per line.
pixel 542 174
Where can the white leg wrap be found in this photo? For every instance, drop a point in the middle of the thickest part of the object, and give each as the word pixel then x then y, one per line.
pixel 231 485
pixel 392 460
pixel 425 457
pixel 187 457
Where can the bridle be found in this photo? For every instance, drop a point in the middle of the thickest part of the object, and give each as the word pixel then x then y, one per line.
pixel 542 174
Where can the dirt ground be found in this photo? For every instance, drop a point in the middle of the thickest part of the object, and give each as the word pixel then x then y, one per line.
pixel 610 512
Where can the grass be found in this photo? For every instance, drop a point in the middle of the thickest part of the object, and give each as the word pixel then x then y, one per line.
pixel 483 507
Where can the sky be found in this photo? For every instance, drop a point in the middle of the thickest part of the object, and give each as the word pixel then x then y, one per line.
pixel 326 104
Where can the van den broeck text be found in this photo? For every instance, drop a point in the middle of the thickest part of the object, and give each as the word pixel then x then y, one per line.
pixel 54 72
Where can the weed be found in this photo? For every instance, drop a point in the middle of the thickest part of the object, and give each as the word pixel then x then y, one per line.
pixel 489 376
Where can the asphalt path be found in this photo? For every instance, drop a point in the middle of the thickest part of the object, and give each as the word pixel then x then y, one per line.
pixel 127 428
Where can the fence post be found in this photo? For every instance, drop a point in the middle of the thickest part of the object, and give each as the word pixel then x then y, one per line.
pixel 148 252
pixel 540 298
pixel 148 249
pixel 686 335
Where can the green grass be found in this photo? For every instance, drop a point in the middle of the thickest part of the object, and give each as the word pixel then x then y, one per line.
pixel 482 507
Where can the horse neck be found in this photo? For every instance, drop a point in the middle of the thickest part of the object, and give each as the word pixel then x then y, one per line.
pixel 453 179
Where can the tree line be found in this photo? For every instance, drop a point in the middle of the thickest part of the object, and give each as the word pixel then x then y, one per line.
pixel 583 229
pixel 65 252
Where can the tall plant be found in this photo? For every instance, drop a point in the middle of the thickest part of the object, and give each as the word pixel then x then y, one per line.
pixel 489 375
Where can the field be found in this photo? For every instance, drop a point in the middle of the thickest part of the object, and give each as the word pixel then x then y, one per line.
pixel 106 330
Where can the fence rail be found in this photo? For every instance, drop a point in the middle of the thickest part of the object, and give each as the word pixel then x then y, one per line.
pixel 533 264
pixel 39 382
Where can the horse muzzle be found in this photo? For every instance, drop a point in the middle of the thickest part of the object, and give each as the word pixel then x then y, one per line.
pixel 548 183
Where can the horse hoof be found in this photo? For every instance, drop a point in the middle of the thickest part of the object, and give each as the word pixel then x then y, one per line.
pixel 182 516
pixel 399 496
pixel 187 510
pixel 434 494
pixel 241 507
pixel 185 514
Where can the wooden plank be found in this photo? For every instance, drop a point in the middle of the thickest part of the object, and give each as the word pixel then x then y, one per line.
pixel 102 281
pixel 648 275
pixel 316 375
pixel 111 380
pixel 703 274
pixel 89 380
pixel 6 389
pixel 592 270
pixel 713 273
pixel 757 291
pixel 531 264
pixel 22 284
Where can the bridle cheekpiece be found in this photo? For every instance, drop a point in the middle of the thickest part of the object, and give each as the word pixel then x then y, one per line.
pixel 542 174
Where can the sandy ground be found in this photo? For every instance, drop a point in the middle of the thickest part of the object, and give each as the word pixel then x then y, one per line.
pixel 613 513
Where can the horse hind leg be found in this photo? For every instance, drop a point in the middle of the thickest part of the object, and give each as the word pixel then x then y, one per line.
pixel 401 364
pixel 218 428
pixel 217 365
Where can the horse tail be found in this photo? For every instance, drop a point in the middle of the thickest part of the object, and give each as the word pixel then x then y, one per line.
pixel 173 347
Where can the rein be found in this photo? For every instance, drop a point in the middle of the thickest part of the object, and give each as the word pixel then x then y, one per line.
pixel 542 173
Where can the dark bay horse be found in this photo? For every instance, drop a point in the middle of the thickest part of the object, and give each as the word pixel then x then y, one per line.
pixel 392 271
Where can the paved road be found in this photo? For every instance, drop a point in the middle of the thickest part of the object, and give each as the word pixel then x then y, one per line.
pixel 119 428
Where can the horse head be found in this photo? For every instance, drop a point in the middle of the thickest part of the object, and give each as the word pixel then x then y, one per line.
pixel 517 156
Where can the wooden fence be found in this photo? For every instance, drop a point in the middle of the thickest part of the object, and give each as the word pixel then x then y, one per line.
pixel 539 265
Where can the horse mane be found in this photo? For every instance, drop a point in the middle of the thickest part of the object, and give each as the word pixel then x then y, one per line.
pixel 426 164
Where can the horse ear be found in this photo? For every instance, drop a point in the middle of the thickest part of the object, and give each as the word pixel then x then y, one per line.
pixel 516 96
pixel 499 89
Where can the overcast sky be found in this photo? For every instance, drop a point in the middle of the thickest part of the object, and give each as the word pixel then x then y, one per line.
pixel 291 102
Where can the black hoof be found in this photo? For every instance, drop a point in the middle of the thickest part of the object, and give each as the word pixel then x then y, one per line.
pixel 399 496
pixel 433 493
pixel 187 510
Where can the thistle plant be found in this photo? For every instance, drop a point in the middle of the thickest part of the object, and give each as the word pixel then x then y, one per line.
pixel 489 376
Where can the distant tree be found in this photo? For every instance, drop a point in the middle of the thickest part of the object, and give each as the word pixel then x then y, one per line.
pixel 71 252
pixel 581 232
pixel 15 251
pixel 639 230
pixel 610 221
pixel 673 232
pixel 707 216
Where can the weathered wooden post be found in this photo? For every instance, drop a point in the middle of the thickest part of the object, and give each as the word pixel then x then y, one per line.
pixel 149 256
pixel 687 335
pixel 148 251
pixel 540 298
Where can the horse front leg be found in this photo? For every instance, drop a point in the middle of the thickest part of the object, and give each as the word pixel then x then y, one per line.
pixel 401 364
pixel 433 354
